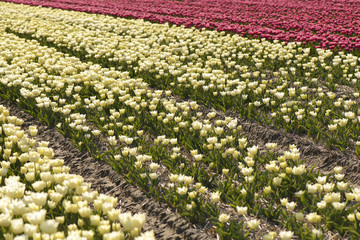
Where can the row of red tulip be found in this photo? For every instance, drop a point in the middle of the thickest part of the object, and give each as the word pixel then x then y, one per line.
pixel 328 24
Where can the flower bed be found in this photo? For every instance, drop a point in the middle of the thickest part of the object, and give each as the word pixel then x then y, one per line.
pixel 109 85
pixel 302 90
pixel 41 199
pixel 328 24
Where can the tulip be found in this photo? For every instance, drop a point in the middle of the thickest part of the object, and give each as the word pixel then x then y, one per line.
pixel 253 224
pixel 223 218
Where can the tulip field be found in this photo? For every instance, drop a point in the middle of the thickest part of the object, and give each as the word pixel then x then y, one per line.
pixel 237 120
pixel 329 24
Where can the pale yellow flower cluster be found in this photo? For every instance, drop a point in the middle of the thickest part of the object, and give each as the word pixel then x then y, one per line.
pixel 38 195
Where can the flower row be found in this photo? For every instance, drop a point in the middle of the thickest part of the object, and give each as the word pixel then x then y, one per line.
pixel 327 24
pixel 40 199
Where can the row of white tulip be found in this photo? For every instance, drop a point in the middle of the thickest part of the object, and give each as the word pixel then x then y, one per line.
pixel 40 199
